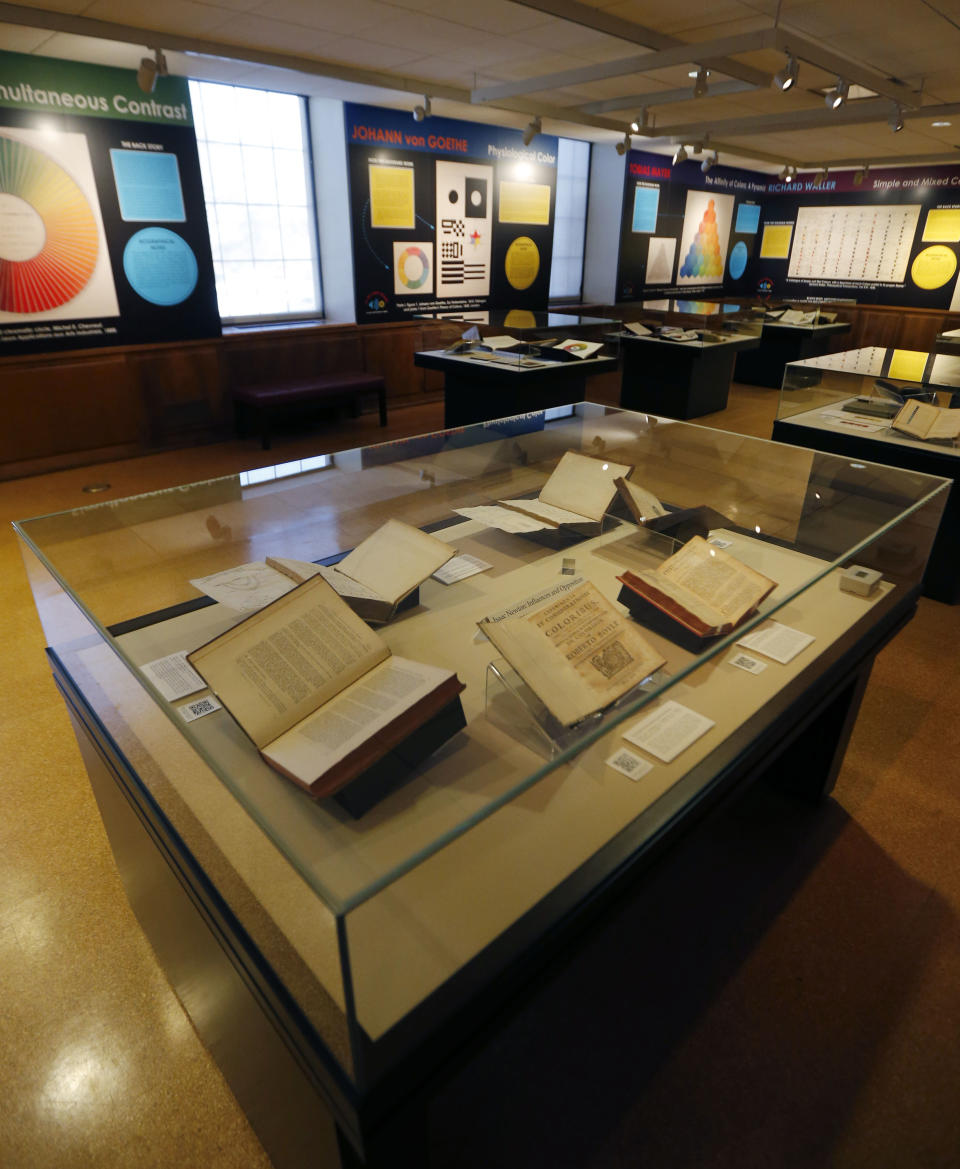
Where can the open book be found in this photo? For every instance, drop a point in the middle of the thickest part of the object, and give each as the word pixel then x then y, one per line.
pixel 577 348
pixel 577 494
pixel 637 329
pixel 574 499
pixel 574 650
pixel 642 504
pixel 702 587
pixel 383 569
pixel 317 691
pixel 924 421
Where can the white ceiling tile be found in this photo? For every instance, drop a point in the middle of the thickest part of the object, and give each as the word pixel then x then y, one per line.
pixel 182 16
pixel 496 16
pixel 346 19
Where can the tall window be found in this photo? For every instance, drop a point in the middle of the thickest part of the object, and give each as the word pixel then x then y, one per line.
pixel 570 219
pixel 255 163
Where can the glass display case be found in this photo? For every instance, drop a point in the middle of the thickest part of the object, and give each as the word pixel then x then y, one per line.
pixel 846 402
pixel 368 943
pixel 689 322
pixel 518 361
pixel 678 355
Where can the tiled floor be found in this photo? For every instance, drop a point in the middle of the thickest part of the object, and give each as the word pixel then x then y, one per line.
pixel 818 1003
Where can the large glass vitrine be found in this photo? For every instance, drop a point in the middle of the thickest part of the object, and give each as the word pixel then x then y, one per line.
pixel 366 944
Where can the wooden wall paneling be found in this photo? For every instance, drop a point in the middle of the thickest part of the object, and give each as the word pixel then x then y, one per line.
pixel 66 406
pixel 182 394
pixel 288 355
pixel 389 352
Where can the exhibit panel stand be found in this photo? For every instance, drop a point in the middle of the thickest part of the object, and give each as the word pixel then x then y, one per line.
pixel 336 968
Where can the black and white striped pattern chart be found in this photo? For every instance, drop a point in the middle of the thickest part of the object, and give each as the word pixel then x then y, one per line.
pixel 464 227
pixel 869 243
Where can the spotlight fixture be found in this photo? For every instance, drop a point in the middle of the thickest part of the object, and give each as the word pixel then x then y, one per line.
pixel 421 112
pixel 835 97
pixel 680 154
pixel 790 175
pixel 708 162
pixel 820 176
pixel 860 175
pixel 787 76
pixel 700 82
pixel 150 69
pixel 624 145
pixel 895 121
pixel 532 130
pixel 939 125
pixel 641 121
pixel 784 175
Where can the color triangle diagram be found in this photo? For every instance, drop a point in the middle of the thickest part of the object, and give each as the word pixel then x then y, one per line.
pixel 703 256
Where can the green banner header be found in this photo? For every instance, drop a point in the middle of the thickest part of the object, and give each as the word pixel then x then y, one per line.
pixel 47 85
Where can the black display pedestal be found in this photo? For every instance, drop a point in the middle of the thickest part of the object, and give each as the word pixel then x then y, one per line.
pixel 781 344
pixel 678 379
pixel 481 391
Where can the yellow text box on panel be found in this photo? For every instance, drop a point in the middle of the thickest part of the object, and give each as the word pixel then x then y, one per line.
pixel 942 226
pixel 775 244
pixel 524 202
pixel 907 364
pixel 391 196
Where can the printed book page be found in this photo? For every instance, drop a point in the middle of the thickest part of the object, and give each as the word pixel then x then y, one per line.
pixel 552 516
pixel 573 649
pixel 504 519
pixel 711 584
pixel 352 717
pixel 583 484
pixel 643 504
pixel 280 664
pixel 395 559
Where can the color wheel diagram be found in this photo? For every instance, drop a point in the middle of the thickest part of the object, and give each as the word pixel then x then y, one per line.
pixel 53 259
pixel 412 268
pixel 703 243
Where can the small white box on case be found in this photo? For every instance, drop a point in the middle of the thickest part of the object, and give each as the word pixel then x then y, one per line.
pixel 859 580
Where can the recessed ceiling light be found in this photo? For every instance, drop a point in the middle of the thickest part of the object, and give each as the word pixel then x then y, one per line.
pixel 940 125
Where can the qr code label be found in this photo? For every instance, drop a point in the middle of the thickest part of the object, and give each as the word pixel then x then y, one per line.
pixel 198 708
pixel 745 662
pixel 629 764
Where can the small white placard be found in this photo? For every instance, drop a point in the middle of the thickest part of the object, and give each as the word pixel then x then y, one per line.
pixel 629 764
pixel 459 568
pixel 198 708
pixel 668 730
pixel 746 662
pixel 173 676
pixel 777 641
pixel 717 542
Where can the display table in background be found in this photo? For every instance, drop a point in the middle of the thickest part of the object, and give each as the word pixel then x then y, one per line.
pixel 678 379
pixel 810 414
pixel 782 343
pixel 480 389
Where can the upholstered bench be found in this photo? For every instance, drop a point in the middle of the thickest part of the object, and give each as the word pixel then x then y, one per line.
pixel 261 404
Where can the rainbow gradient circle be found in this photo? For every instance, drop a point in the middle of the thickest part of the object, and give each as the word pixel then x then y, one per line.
pixel 413 253
pixel 68 255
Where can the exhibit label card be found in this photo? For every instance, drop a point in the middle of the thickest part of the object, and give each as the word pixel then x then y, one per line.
pixel 173 676
pixel 777 641
pixel 669 730
pixel 459 568
pixel 630 764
